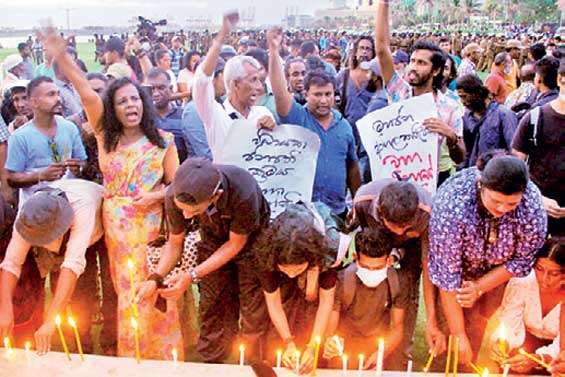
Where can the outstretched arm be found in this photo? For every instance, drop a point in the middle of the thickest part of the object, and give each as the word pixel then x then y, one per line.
pixel 91 101
pixel 382 40
pixel 283 99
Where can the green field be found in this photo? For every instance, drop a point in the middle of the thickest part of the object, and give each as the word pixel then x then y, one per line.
pixel 85 52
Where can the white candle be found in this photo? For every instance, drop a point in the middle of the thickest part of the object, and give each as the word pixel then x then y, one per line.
pixel 279 358
pixel 506 370
pixel 28 348
pixel 175 355
pixel 409 368
pixel 241 354
pixel 380 357
pixel 361 362
pixel 297 360
pixel 344 363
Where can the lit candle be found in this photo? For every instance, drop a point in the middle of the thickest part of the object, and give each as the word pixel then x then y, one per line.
pixel 132 287
pixel 135 328
pixel 429 362
pixel 175 355
pixel 502 345
pixel 361 362
pixel 63 342
pixel 28 349
pixel 535 359
pixel 448 358
pixel 456 356
pixel 73 324
pixel 344 363
pixel 409 368
pixel 297 361
pixel 241 355
pixel 317 341
pixel 380 356
pixel 8 346
pixel 279 358
pixel 485 372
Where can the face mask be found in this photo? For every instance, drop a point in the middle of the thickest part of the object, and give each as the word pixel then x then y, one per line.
pixel 371 278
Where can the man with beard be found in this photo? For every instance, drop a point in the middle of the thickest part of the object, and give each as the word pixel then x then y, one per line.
pixel 487 125
pixel 48 147
pixel 295 71
pixel 424 75
pixel 337 168
pixel 168 115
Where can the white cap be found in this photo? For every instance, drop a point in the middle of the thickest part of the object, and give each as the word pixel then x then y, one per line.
pixel 16 84
pixel 12 61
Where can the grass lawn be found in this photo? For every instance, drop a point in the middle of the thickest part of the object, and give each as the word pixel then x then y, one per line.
pixel 85 52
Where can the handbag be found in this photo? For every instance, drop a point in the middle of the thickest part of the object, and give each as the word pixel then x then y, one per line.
pixel 188 258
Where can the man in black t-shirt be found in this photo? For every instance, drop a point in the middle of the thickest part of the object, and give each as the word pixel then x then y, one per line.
pixel 227 205
pixel 542 142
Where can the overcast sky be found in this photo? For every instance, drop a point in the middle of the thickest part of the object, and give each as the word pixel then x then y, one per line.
pixel 27 13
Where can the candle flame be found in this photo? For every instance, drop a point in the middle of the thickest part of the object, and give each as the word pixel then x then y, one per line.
pixel 381 342
pixel 27 345
pixel 344 357
pixel 72 322
pixel 7 342
pixel 361 356
pixel 175 354
pixel 133 322
pixel 317 339
pixel 279 352
pixel 130 264
pixel 58 320
pixel 485 372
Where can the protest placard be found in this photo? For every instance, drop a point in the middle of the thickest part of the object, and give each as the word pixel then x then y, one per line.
pixel 283 161
pixel 398 144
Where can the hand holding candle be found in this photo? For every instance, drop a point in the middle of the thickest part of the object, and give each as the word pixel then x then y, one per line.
pixel 73 324
pixel 61 336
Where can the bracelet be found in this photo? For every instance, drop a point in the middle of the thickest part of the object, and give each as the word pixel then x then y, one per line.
pixel 157 279
pixel 193 275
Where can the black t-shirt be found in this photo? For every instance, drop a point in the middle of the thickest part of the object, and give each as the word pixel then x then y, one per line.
pixel 272 280
pixel 547 159
pixel 241 209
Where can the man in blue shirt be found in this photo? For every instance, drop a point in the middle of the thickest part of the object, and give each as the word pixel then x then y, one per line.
pixel 168 116
pixel 49 147
pixel 337 167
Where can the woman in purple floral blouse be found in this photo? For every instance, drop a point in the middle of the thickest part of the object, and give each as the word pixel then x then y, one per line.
pixel 486 226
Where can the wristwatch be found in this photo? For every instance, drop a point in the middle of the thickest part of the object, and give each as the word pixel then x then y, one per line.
pixel 193 275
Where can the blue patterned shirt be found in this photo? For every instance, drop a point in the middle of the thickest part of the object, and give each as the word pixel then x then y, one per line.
pixel 460 227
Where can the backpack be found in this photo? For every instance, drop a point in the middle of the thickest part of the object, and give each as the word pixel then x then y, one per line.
pixel 350 284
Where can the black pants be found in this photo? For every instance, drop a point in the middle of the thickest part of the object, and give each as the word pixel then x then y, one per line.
pixel 225 293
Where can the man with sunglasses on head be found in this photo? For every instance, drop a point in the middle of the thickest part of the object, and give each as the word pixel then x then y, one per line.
pixel 227 205
pixel 62 222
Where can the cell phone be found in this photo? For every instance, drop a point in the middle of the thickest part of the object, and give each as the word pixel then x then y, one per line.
pixel 232 16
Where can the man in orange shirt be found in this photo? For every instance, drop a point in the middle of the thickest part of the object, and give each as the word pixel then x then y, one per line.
pixel 495 81
pixel 514 48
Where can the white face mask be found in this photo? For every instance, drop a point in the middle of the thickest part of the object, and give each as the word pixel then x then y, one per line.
pixel 371 278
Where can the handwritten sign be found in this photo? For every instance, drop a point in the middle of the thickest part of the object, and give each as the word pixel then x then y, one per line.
pixel 283 161
pixel 398 143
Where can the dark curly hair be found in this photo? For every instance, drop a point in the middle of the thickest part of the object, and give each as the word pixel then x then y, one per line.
pixel 373 242
pixel 292 238
pixel 113 128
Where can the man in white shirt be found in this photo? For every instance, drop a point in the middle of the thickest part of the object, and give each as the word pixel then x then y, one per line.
pixel 62 221
pixel 243 86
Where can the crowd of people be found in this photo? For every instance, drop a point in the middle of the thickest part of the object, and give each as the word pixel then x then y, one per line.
pixel 112 189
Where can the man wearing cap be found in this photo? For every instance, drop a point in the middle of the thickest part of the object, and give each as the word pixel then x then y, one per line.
pixel 20 102
pixel 514 48
pixel 62 221
pixel 114 54
pixel 243 86
pixel 230 210
pixel 13 70
pixel 471 56
pixel 400 60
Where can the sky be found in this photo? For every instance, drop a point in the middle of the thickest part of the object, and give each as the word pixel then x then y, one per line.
pixel 28 13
